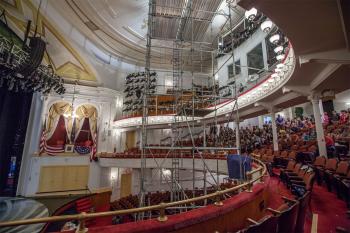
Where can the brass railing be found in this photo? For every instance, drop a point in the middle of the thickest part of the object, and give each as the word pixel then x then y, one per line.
pixel 82 217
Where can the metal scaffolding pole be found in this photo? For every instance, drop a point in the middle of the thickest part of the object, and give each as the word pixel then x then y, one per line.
pixel 181 104
pixel 143 143
pixel 235 85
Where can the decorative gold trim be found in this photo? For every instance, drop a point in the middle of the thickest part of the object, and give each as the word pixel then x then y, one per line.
pixel 82 217
pixel 68 69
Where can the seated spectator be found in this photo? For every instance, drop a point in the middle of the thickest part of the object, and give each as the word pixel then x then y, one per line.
pixel 325 119
pixel 279 120
pixel 344 117
pixel 330 145
pixel 335 117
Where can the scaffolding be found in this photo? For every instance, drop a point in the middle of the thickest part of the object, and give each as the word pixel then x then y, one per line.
pixel 189 18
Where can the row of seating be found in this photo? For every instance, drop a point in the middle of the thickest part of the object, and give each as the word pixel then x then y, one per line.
pixel 289 217
pixel 335 175
pixel 182 154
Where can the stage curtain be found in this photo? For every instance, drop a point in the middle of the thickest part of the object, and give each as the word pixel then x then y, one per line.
pixel 56 110
pixel 90 112
pixel 14 115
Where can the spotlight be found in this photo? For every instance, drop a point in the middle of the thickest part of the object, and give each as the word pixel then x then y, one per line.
pixel 274 39
pixel 280 57
pixel 278 49
pixel 278 70
pixel 266 26
pixel 274 75
pixel 251 14
pixel 280 66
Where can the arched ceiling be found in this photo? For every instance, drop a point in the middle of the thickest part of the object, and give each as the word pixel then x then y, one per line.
pixel 120 27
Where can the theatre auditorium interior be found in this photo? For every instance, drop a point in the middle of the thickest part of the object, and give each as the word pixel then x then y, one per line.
pixel 182 116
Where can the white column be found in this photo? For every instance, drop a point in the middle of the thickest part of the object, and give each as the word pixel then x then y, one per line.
pixel 238 141
pixel 274 131
pixel 204 135
pixel 261 121
pixel 320 104
pixel 290 113
pixel 319 128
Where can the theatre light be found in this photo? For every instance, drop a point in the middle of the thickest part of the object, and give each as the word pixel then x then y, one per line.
pixel 280 57
pixel 280 66
pixel 274 75
pixel 274 39
pixel 251 14
pixel 278 70
pixel 278 49
pixel 266 26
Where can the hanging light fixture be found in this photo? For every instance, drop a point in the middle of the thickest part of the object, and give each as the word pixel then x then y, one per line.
pixel 278 49
pixel 280 57
pixel 274 38
pixel 280 66
pixel 251 14
pixel 266 26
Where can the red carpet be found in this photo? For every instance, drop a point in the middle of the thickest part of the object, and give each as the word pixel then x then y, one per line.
pixel 331 211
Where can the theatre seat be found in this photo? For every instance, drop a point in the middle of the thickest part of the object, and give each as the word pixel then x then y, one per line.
pixel 294 172
pixel 304 206
pixel 287 215
pixel 343 188
pixel 330 167
pixel 329 175
pixel 318 164
pixel 290 166
pixel 266 224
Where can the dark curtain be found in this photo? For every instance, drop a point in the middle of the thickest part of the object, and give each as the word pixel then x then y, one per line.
pixel 14 114
pixel 328 106
pixel 84 138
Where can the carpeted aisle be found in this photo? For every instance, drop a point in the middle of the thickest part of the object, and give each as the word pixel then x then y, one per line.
pixel 331 211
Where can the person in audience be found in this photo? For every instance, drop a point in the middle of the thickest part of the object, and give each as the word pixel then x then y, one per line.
pixel 330 145
pixel 335 117
pixel 344 117
pixel 279 120
pixel 325 119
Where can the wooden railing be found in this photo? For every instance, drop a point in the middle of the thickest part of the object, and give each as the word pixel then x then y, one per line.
pixel 82 217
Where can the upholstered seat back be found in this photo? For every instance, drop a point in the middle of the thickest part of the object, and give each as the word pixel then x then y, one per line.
pixel 297 167
pixel 291 165
pixel 331 164
pixel 304 202
pixel 267 224
pixel 288 219
pixel 343 168
pixel 320 161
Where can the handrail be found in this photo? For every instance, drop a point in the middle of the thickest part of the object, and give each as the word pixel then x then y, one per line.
pixel 161 207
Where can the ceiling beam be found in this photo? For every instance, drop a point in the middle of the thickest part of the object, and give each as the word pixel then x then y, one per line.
pixel 340 56
pixel 323 75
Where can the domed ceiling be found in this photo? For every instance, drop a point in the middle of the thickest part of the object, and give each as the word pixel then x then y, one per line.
pixel 114 32
pixel 120 27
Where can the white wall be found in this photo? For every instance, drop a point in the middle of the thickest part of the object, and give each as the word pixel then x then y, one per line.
pixel 240 53
pixel 342 101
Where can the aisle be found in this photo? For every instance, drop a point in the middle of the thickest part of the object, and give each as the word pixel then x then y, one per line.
pixel 330 210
